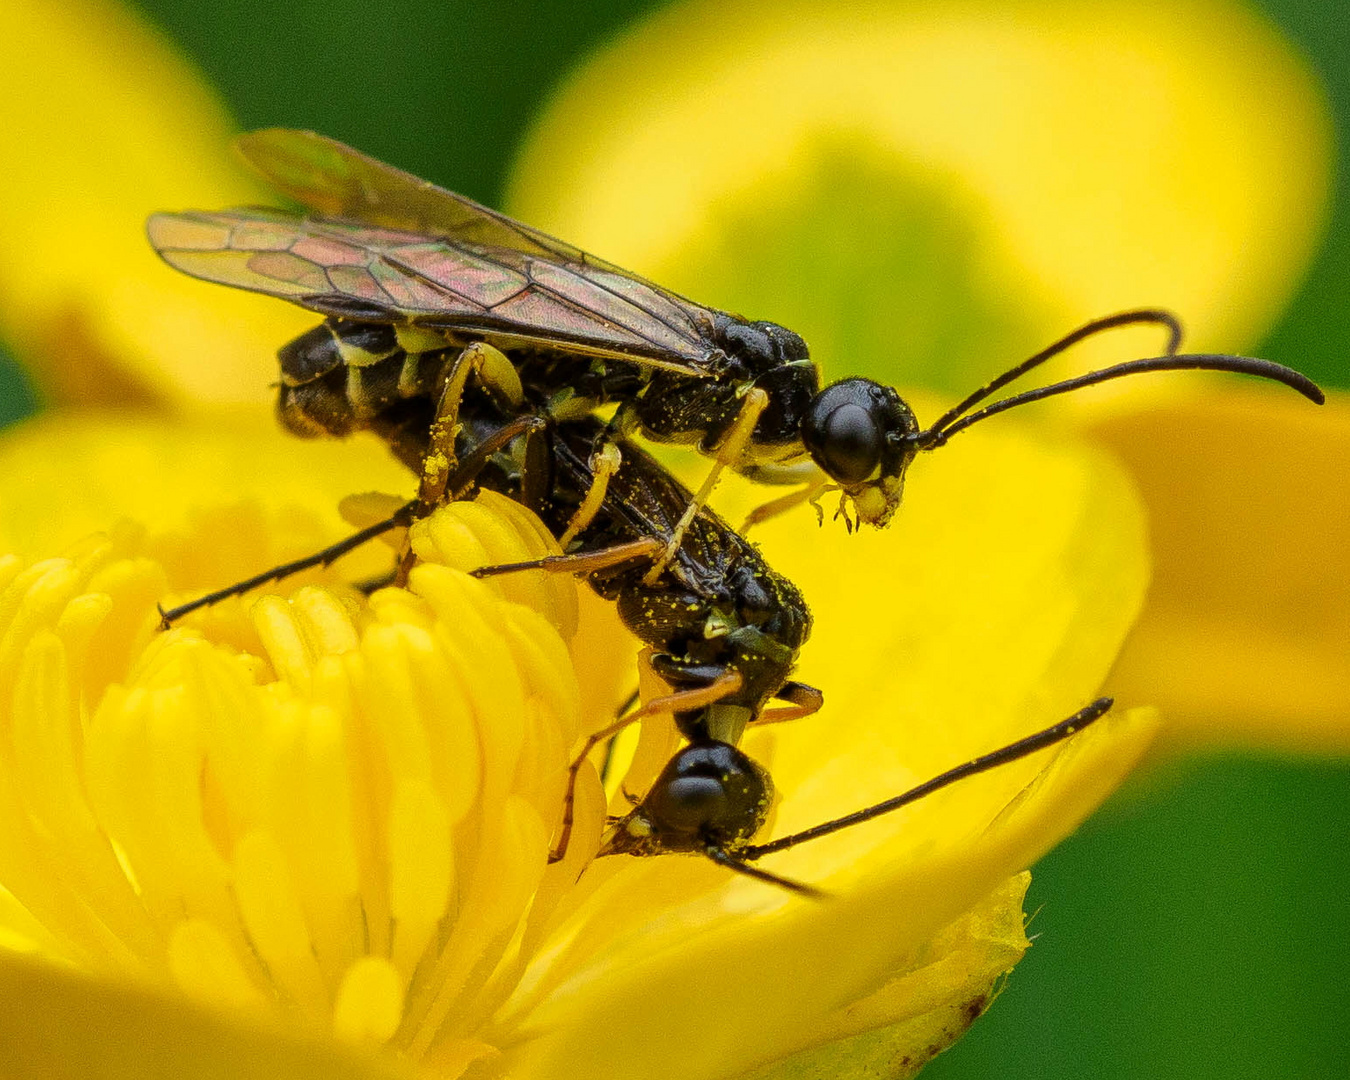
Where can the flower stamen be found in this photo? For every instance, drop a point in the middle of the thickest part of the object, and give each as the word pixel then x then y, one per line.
pixel 349 823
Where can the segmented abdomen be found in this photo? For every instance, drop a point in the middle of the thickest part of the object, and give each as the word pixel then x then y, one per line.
pixel 338 377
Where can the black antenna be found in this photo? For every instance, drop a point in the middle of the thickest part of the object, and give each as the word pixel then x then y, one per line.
pixel 405 515
pixel 1152 316
pixel 731 862
pixel 992 760
pixel 936 436
pixel 956 419
pixel 402 517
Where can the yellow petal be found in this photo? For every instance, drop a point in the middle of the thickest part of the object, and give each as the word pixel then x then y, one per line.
pixel 94 142
pixel 70 1024
pixel 69 475
pixel 1247 632
pixel 296 778
pixel 316 809
pixel 927 1009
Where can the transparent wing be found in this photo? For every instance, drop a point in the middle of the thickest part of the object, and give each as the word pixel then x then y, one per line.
pixel 384 274
pixel 339 182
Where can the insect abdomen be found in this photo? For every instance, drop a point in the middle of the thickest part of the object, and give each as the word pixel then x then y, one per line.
pixel 338 377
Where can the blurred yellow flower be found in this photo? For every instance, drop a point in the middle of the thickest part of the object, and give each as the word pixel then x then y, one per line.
pixel 104 121
pixel 877 174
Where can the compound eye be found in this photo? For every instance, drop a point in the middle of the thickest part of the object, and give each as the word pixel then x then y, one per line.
pixel 850 449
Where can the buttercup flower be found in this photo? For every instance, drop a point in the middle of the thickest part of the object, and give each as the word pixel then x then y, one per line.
pixel 308 832
pixel 326 814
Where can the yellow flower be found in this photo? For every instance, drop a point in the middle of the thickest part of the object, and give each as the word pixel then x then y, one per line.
pixel 320 814
pixel 257 839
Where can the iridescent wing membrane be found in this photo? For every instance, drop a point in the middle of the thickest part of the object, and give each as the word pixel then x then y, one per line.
pixel 388 247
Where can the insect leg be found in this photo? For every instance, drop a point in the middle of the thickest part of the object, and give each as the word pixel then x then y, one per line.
pixel 498 374
pixel 586 562
pixel 401 518
pixel 607 763
pixel 680 701
pixel 628 702
pixel 802 701
pixel 809 493
pixel 728 452
pixel 605 463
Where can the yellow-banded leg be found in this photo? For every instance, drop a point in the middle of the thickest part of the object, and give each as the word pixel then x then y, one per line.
pixel 604 463
pixel 728 452
pixel 499 377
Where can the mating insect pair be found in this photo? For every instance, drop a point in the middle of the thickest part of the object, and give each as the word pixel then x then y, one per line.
pixel 725 628
pixel 452 331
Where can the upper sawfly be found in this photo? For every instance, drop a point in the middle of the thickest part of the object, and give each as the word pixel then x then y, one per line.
pixel 377 246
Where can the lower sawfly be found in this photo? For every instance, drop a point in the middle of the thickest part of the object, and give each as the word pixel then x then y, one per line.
pixel 724 628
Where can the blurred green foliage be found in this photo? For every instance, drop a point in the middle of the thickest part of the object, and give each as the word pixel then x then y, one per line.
pixel 858 292
pixel 17 398
pixel 1196 928
pixel 1314 334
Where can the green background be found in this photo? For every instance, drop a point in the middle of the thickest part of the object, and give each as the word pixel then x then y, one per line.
pixel 1197 927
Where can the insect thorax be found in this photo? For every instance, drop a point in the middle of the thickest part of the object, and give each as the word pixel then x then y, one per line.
pixel 678 408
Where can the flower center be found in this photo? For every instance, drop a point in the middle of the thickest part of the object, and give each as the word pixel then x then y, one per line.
pixel 318 803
